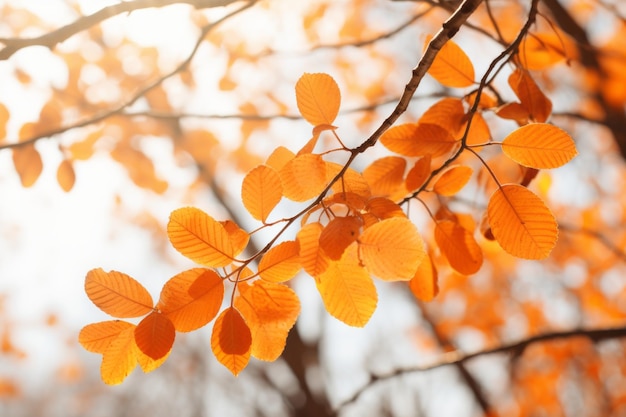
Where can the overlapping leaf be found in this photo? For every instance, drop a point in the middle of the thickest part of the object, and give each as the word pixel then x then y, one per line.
pixel 521 222
pixel 303 177
pixel 424 284
pixel 96 337
pixel 318 98
pixel 313 259
pixel 539 145
pixel 417 176
pixel 117 294
pixel 338 234
pixel 261 191
pixel 385 175
pixel 119 358
pixel 281 263
pixel 231 340
pixel 459 247
pixel 155 335
pixel 534 101
pixel 199 237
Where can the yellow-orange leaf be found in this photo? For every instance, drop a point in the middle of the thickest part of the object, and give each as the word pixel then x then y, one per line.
pixel 280 263
pixel 318 98
pixel 303 177
pixel 117 294
pixel 392 249
pixel 238 237
pixel 542 50
pixel 313 259
pixel 231 340
pixel 96 337
pixel 66 176
pixel 383 208
pixel 4 118
pixel 459 247
pixel 433 140
pixel 401 139
pixel 417 176
pixel 447 113
pixel 28 164
pixel 199 237
pixel 350 182
pixel 338 234
pixel 452 180
pixel 120 358
pixel 279 158
pixel 521 222
pixel 534 101
pixel 424 284
pixel 148 364
pixel 270 310
pixel 452 67
pixel 155 335
pixel 385 175
pixel 347 290
pixel 192 298
pixel 539 145
pixel 513 111
pixel 261 191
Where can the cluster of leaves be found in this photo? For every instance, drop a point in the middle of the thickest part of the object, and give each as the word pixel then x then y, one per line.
pixel 353 226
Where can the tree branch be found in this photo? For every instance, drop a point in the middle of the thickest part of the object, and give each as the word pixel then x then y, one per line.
pixel 51 39
pixel 515 349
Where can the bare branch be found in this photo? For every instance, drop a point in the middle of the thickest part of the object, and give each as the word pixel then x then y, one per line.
pixel 51 39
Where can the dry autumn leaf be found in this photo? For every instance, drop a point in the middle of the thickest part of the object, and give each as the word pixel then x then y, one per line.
pixel 231 340
pixel 117 294
pixel 191 299
pixel 318 98
pixel 539 145
pixel 261 191
pixel 452 67
pixel 199 237
pixel 391 249
pixel 521 222
pixel 270 310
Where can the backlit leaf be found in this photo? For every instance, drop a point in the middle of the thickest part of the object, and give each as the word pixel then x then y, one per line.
pixel 4 118
pixel 318 98
pixel 447 113
pixel 146 363
pixel 452 180
pixel 280 263
pixel 459 247
pixel 347 290
pixel 192 298
pixel 434 140
pixel 238 237
pixel 392 249
pixel 401 139
pixel 303 177
pixel 66 177
pixel 28 164
pixel 452 67
pixel 313 259
pixel 270 310
pixel 424 284
pixel 96 337
pixel 350 182
pixel 279 158
pixel 199 237
pixel 539 145
pixel 383 208
pixel 261 191
pixel 542 50
pixel 119 358
pixel 521 222
pixel 231 340
pixel 417 176
pixel 385 175
pixel 534 101
pixel 117 294
pixel 338 234
pixel 155 335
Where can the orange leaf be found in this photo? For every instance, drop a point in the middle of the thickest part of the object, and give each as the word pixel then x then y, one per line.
pixel 347 290
pixel 433 140
pixel 539 145
pixel 417 176
pixel 401 139
pixel 383 208
pixel 350 182
pixel 447 113
pixel 66 176
pixel 279 158
pixel 313 259
pixel 513 111
pixel 96 337
pixel 318 98
pixel 28 164
pixel 338 234
pixel 155 335
pixel 148 364
pixel 392 249
pixel 117 294
pixel 231 340
pixel 458 246
pixel 542 50
pixel 261 191
pixel 452 67
pixel 192 298
pixel 534 101
pixel 120 358
pixel 385 175
pixel 452 180
pixel 4 118
pixel 280 263
pixel 424 284
pixel 271 311
pixel 521 222
pixel 238 237
pixel 303 177
pixel 199 237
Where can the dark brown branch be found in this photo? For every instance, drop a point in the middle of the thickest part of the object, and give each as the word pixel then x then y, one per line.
pixel 515 349
pixel 51 39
